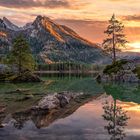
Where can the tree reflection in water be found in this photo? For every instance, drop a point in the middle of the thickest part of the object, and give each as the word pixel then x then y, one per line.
pixel 116 118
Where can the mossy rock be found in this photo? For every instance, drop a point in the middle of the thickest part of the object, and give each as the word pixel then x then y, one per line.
pixel 26 77
pixel 121 71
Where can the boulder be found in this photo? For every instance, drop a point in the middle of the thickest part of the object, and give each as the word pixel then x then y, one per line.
pixel 49 102
pixel 57 100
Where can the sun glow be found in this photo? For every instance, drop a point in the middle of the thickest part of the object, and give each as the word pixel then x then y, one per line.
pixel 135 46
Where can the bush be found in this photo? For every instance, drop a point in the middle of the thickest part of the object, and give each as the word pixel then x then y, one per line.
pixel 137 71
pixel 115 67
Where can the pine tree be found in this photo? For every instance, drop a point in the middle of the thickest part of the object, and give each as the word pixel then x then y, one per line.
pixel 21 55
pixel 4 47
pixel 116 37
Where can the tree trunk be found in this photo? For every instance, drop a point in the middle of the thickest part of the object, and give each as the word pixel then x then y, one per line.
pixel 114 48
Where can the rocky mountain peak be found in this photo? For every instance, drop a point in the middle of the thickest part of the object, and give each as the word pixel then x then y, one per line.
pixel 2 25
pixel 27 26
pixel 10 25
pixel 40 18
pixel 6 20
pixel 45 23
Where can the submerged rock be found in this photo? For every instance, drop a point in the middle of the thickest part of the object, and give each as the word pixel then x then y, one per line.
pixel 17 91
pixel 27 97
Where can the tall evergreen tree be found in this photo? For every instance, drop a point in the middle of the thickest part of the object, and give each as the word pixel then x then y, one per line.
pixel 21 55
pixel 116 38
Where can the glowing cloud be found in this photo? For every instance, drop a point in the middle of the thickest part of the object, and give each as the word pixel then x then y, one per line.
pixel 91 14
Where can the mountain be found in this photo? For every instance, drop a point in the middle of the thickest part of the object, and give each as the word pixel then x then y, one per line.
pixel 132 56
pixel 10 25
pixel 51 42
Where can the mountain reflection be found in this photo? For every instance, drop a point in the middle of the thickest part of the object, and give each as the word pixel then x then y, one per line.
pixel 38 117
pixel 43 117
pixel 116 118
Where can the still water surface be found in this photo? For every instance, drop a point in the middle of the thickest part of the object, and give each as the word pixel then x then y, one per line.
pixel 113 112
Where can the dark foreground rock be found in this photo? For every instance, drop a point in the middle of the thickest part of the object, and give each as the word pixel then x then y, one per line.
pixel 121 71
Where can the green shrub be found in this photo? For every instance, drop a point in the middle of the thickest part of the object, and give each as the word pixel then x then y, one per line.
pixel 115 67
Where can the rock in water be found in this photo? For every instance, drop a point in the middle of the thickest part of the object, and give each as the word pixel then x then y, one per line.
pixel 49 102
pixel 121 71
pixel 57 100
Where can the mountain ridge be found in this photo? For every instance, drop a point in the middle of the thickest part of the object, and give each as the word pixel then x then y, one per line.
pixel 10 25
pixel 51 42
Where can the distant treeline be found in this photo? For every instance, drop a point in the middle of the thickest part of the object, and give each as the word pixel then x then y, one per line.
pixel 68 66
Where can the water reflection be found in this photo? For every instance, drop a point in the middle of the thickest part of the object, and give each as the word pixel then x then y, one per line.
pixel 128 96
pixel 73 123
pixel 81 121
pixel 42 118
pixel 117 120
pixel 38 117
pixel 62 75
pixel 127 92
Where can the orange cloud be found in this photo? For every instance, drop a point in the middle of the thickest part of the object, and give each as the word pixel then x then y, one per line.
pixel 89 18
pixel 132 17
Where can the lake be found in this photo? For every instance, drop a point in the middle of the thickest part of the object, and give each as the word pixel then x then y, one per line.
pixel 111 113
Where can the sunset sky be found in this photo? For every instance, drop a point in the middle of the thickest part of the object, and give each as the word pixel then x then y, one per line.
pixel 87 17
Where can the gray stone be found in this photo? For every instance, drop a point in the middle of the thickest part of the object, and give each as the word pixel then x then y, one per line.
pixel 56 100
